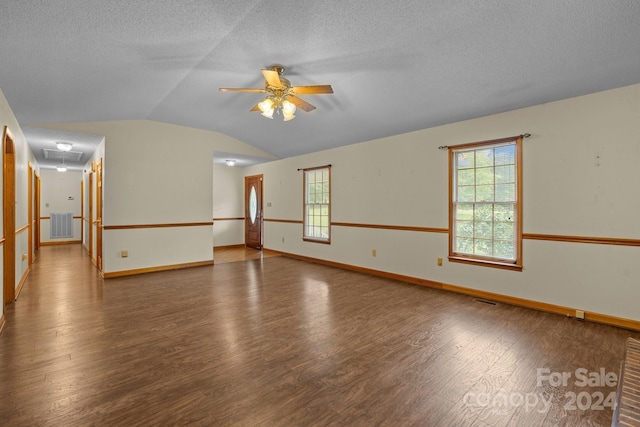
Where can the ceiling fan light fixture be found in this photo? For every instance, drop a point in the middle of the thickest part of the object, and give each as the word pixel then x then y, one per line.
pixel 266 105
pixel 61 168
pixel 64 146
pixel 288 107
pixel 282 97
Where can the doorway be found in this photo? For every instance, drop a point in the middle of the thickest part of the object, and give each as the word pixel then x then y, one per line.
pixel 253 211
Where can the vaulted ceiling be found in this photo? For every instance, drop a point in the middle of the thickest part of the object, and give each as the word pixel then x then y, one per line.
pixel 395 67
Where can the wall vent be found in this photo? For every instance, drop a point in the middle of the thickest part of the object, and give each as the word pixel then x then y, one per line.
pixel 61 225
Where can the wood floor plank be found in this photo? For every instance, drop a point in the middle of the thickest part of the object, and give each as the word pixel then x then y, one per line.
pixel 275 341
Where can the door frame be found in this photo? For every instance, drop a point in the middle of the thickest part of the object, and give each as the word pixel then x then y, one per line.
pixel 259 215
pixel 99 214
pixel 36 203
pixel 30 220
pixel 90 202
pixel 9 219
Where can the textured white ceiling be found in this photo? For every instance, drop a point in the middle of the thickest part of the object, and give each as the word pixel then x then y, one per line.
pixel 395 67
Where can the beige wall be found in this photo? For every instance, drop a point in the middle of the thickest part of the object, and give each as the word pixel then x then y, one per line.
pixel 580 167
pixel 580 172
pixel 157 173
pixel 228 202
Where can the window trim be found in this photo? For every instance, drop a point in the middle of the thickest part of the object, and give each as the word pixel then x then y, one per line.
pixel 304 206
pixel 479 260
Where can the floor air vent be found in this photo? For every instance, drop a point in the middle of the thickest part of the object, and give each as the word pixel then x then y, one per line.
pixel 485 301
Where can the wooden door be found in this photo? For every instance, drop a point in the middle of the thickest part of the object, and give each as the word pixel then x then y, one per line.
pixel 9 211
pixel 99 214
pixel 253 211
pixel 30 212
pixel 91 215
pixel 36 202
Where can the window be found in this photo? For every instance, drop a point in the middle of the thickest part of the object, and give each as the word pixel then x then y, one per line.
pixel 317 204
pixel 485 212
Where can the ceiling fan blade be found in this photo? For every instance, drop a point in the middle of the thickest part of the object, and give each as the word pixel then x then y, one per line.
pixel 272 78
pixel 311 90
pixel 301 103
pixel 255 108
pixel 241 89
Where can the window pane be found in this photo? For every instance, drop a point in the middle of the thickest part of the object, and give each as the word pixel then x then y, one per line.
pixel 504 212
pixel 505 155
pixel 465 160
pixel 464 228
pixel 505 193
pixel 464 245
pixel 484 176
pixel 467 194
pixel 466 177
pixel 484 229
pixel 483 212
pixel 504 249
pixel 483 247
pixel 464 212
pixel 504 230
pixel 484 193
pixel 505 174
pixel 484 157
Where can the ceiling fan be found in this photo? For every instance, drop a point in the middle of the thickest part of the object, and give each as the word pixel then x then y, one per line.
pixel 282 97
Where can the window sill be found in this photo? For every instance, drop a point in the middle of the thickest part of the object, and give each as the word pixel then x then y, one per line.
pixel 309 239
pixel 486 263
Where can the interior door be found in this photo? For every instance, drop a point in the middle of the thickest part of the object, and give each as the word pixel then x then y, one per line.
pixel 253 211
pixel 9 212
pixel 99 214
pixel 36 203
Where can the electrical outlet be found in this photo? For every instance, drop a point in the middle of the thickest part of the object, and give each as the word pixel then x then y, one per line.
pixel 124 253
pixel 439 262
pixel 580 314
pixel 283 240
pixel 374 253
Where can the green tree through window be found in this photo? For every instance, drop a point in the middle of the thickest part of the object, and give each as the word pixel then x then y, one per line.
pixel 317 204
pixel 485 202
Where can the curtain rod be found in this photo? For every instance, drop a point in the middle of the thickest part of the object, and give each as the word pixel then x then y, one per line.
pixel 446 147
pixel 317 167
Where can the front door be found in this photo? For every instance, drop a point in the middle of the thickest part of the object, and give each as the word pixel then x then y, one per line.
pixel 253 211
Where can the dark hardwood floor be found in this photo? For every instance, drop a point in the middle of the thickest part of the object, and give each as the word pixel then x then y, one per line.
pixel 282 342
pixel 234 254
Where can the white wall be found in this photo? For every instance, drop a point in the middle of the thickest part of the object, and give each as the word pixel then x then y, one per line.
pixel 157 173
pixel 580 173
pixel 23 157
pixel 55 190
